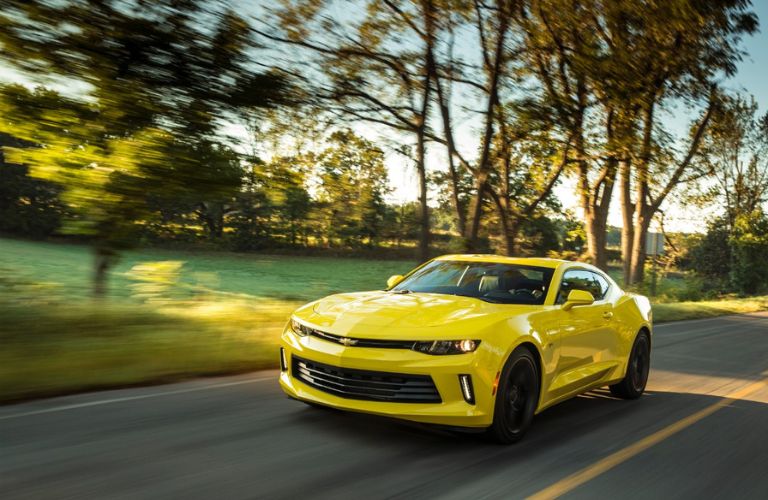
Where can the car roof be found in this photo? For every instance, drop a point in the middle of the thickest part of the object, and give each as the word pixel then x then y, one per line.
pixel 500 259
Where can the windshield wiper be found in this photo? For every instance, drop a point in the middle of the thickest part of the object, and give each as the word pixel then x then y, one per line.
pixel 402 292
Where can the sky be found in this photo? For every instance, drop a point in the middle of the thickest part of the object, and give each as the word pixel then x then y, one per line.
pixel 752 78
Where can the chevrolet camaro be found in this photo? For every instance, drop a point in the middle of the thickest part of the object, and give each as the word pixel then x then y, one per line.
pixel 477 341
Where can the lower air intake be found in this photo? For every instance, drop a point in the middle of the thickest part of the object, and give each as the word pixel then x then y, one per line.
pixel 366 385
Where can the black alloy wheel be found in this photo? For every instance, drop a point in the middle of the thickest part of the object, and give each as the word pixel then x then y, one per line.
pixel 517 397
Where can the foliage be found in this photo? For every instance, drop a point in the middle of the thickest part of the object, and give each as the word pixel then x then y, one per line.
pixel 735 151
pixel 749 246
pixel 158 83
pixel 733 259
pixel 732 253
pixel 28 206
pixel 352 186
pixel 711 257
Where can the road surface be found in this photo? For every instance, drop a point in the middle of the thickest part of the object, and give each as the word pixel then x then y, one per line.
pixel 701 430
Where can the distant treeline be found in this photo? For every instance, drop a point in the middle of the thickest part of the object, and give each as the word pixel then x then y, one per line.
pixel 331 202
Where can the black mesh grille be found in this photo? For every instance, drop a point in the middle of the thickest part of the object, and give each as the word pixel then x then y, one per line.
pixel 366 385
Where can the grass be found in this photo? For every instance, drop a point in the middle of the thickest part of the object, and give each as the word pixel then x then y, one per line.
pixel 58 349
pixel 68 268
pixel 707 309
pixel 175 315
pixel 208 313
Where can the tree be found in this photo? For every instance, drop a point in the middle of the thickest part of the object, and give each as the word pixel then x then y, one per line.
pixel 665 54
pixel 749 246
pixel 614 66
pixel 158 78
pixel 735 150
pixel 284 182
pixel 711 256
pixel 372 69
pixel 352 185
pixel 563 57
pixel 528 164
pixel 520 153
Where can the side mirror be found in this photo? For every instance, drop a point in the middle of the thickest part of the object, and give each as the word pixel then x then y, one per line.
pixel 578 298
pixel 394 280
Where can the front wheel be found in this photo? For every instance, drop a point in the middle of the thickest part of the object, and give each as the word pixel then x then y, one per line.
pixel 516 399
pixel 632 385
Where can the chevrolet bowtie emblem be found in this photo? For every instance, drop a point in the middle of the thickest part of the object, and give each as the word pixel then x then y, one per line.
pixel 347 342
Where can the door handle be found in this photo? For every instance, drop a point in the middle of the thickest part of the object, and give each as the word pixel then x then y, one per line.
pixel 608 315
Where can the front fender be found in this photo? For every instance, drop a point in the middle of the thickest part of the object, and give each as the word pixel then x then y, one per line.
pixel 539 331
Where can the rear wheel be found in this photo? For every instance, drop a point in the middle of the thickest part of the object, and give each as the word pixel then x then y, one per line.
pixel 516 399
pixel 633 384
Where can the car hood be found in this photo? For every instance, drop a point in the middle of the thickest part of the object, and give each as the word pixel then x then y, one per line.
pixel 388 315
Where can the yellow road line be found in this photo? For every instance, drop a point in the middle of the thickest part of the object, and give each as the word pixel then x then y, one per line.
pixel 592 471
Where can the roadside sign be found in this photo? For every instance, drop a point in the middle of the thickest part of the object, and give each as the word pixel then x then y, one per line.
pixel 654 244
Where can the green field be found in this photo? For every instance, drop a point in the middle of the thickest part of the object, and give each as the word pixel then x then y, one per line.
pixel 174 315
pixel 216 313
pixel 67 267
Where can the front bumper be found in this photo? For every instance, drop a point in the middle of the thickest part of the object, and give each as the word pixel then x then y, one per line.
pixel 453 410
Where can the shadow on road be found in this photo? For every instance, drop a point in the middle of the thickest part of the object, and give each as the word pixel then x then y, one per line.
pixel 562 422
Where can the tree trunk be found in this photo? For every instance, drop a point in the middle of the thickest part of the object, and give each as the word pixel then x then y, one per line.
pixel 510 223
pixel 103 262
pixel 595 226
pixel 595 202
pixel 445 113
pixel 476 209
pixel 641 209
pixel 483 167
pixel 627 213
pixel 511 238
pixel 424 207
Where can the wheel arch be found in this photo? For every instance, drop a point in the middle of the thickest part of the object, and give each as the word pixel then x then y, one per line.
pixel 643 328
pixel 647 330
pixel 530 346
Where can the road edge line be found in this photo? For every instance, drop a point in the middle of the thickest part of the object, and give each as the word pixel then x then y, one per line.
pixel 130 398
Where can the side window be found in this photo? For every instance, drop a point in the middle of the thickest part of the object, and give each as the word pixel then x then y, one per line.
pixel 603 284
pixel 580 279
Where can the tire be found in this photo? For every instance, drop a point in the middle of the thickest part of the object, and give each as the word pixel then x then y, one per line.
pixel 516 399
pixel 632 385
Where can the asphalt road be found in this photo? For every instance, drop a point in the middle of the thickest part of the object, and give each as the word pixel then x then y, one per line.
pixel 701 430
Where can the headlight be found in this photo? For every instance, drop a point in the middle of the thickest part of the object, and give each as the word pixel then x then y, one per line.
pixel 298 328
pixel 446 346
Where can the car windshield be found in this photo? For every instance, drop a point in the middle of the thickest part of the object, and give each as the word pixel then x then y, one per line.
pixel 492 282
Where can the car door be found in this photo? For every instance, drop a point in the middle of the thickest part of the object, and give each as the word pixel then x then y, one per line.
pixel 609 341
pixel 586 334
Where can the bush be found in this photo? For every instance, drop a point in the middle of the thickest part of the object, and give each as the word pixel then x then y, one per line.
pixel 733 260
pixel 749 246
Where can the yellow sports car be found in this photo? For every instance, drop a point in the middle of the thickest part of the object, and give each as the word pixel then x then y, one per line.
pixel 470 341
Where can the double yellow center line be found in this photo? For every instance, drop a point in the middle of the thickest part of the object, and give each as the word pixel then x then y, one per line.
pixel 592 471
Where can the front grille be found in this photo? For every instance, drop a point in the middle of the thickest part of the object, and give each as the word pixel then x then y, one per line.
pixel 357 342
pixel 365 385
